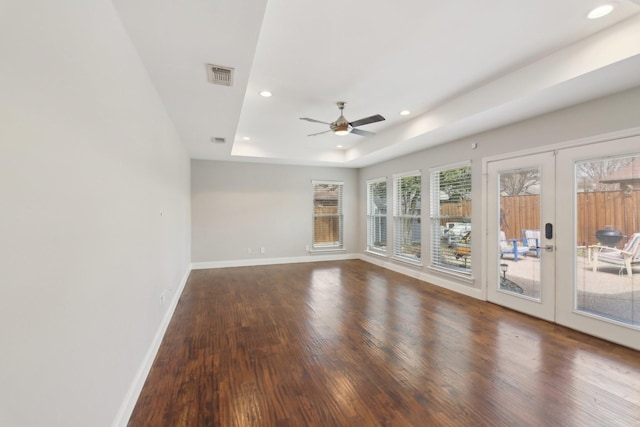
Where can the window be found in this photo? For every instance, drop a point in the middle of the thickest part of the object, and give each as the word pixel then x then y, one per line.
pixel 327 215
pixel 406 216
pixel 377 215
pixel 451 218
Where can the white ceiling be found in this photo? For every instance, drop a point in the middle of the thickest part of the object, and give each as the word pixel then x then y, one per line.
pixel 460 67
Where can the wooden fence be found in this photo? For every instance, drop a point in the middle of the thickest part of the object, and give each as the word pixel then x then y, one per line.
pixel 619 209
pixel 326 229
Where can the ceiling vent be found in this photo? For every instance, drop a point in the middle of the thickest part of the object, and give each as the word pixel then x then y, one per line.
pixel 218 140
pixel 220 75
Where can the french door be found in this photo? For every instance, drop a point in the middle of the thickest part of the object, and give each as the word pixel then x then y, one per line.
pixel 521 258
pixel 564 237
pixel 598 218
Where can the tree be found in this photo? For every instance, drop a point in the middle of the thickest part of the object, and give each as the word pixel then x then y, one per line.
pixel 589 174
pixel 410 193
pixel 456 183
pixel 408 205
pixel 519 182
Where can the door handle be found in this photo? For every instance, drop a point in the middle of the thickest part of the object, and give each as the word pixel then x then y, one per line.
pixel 548 248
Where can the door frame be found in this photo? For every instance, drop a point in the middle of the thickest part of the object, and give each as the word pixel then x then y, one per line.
pixel 484 258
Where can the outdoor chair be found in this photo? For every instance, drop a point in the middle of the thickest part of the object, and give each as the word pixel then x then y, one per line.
pixel 532 239
pixel 514 247
pixel 463 249
pixel 624 258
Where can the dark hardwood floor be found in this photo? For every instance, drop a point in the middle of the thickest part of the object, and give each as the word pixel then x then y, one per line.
pixel 351 344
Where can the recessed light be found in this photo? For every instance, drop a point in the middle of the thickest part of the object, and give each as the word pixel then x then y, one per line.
pixel 600 11
pixel 339 146
pixel 405 112
pixel 265 93
pixel 246 138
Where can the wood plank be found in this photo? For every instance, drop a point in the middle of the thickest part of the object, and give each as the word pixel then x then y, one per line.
pixel 351 344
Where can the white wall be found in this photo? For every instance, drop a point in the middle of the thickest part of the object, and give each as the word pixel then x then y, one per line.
pixel 237 206
pixel 605 115
pixel 94 217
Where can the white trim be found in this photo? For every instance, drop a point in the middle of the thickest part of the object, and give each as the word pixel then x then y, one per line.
pixel 320 182
pixel 416 172
pixel 605 137
pixel 416 262
pixel 456 165
pixel 436 280
pixel 131 398
pixel 272 261
pixel 327 249
pixel 450 272
pixel 381 254
pixel 376 180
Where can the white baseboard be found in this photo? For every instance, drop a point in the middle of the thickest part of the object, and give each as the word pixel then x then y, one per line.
pixel 433 279
pixel 129 403
pixel 272 261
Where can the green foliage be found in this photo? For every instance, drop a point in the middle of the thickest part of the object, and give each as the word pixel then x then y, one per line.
pixel 410 195
pixel 456 183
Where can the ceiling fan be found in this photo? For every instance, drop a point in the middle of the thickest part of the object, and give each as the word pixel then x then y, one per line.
pixel 342 127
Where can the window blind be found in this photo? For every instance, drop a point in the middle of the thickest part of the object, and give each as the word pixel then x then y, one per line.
pixel 407 232
pixel 377 215
pixel 327 215
pixel 450 217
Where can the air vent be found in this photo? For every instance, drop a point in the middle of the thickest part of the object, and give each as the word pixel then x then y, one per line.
pixel 220 75
pixel 218 140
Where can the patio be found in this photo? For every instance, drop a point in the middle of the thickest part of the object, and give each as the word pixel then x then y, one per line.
pixel 608 292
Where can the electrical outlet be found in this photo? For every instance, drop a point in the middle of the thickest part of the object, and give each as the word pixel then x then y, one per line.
pixel 248 250
pixel 307 248
pixel 262 250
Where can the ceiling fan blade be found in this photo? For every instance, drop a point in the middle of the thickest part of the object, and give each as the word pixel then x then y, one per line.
pixel 314 120
pixel 367 120
pixel 320 133
pixel 362 132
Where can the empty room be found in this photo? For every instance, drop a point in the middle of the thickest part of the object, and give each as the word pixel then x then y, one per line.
pixel 362 213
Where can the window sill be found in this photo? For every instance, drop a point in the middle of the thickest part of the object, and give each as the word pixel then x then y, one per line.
pixel 408 261
pixel 465 278
pixel 376 253
pixel 327 250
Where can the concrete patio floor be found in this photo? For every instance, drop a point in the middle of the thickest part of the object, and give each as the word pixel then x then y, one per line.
pixel 608 292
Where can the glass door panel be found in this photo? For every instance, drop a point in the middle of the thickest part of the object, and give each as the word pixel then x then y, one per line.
pixel 521 271
pixel 519 234
pixel 608 234
pixel 598 193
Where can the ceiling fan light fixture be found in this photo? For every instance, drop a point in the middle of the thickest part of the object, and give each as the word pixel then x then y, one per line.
pixel 342 129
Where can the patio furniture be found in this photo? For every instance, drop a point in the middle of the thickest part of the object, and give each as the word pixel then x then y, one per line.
pixel 624 258
pixel 463 249
pixel 514 247
pixel 532 239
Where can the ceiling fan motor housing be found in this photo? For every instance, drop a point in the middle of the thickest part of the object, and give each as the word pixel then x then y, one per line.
pixel 341 126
